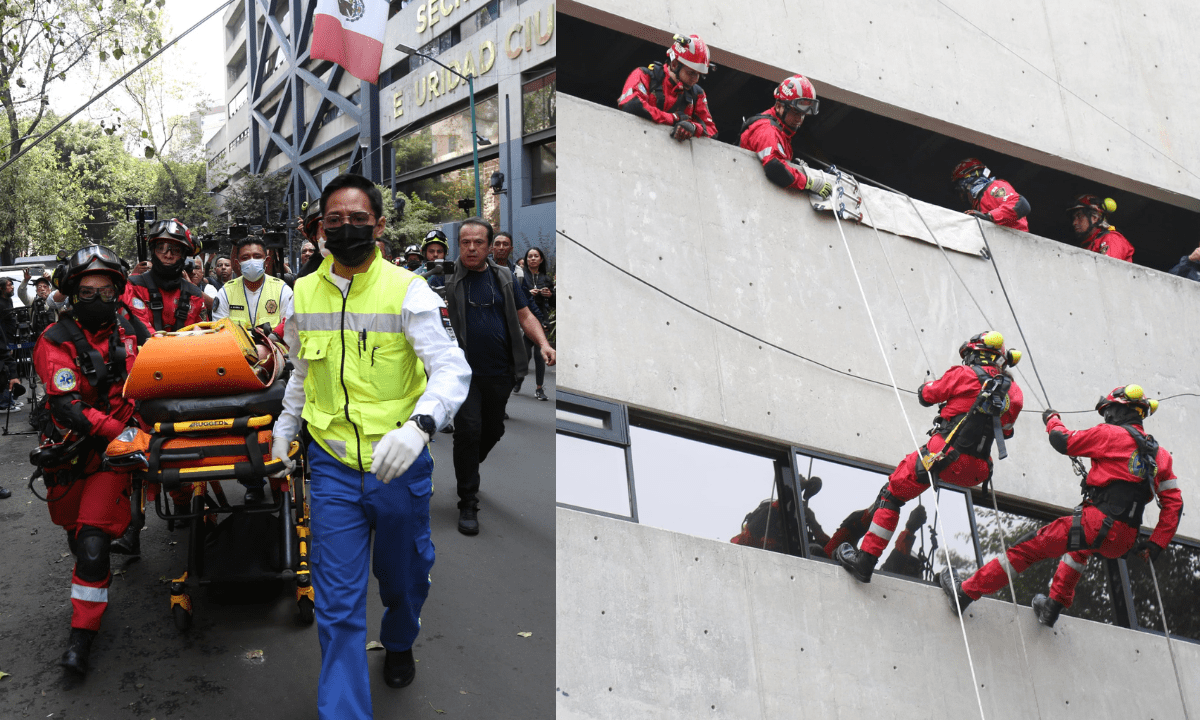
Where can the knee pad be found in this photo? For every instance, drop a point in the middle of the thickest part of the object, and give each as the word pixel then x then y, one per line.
pixel 72 543
pixel 91 558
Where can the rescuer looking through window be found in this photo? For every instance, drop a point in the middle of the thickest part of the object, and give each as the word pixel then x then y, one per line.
pixel 669 95
pixel 769 135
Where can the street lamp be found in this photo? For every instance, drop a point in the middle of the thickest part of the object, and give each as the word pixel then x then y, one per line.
pixel 474 136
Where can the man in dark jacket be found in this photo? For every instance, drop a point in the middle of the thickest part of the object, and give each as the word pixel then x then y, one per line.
pixel 1188 266
pixel 487 313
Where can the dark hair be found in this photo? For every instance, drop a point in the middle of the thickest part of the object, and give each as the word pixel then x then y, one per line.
pixel 544 268
pixel 503 233
pixel 385 247
pixel 351 180
pixel 244 242
pixel 476 220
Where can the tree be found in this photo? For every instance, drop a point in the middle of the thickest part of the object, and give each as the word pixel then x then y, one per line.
pixel 260 199
pixel 418 220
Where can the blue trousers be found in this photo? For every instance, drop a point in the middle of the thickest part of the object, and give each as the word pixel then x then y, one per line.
pixel 346 506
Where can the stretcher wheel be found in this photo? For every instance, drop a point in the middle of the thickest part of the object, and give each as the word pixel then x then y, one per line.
pixel 183 618
pixel 307 611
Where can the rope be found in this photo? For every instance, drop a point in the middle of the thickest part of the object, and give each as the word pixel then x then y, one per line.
pixel 917 445
pixel 1170 647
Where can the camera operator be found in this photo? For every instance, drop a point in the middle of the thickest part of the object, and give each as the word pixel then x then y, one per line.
pixel 41 313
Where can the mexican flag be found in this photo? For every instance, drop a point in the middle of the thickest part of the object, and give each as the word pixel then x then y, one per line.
pixel 350 33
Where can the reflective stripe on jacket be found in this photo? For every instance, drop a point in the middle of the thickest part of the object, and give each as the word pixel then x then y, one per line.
pixel 363 375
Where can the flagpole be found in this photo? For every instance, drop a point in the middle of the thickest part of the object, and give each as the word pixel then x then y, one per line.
pixel 474 134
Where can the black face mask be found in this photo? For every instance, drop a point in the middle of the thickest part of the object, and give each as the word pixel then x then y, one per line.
pixel 351 245
pixel 167 277
pixel 94 314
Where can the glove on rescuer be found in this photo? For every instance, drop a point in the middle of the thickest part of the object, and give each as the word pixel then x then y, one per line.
pixel 351 244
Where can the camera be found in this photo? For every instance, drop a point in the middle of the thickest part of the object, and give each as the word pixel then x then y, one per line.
pixel 440 267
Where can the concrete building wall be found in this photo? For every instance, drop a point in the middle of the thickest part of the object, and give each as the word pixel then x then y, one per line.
pixel 1084 79
pixel 654 624
pixel 700 221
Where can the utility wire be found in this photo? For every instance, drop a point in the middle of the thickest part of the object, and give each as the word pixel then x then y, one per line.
pixel 118 81
pixel 1068 90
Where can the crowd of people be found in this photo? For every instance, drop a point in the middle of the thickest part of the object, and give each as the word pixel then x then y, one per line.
pixel 384 352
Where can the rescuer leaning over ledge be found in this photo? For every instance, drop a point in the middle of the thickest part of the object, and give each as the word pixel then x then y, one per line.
pixel 669 95
pixel 769 135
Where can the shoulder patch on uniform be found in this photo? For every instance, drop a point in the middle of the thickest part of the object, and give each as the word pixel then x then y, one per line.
pixel 998 192
pixel 64 379
pixel 271 306
pixel 138 304
pixel 446 322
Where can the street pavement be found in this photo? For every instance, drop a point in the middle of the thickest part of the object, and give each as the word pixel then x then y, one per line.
pixel 246 655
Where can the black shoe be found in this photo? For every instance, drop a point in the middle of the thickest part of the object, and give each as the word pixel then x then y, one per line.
pixel 399 668
pixel 952 587
pixel 5 493
pixel 1046 609
pixel 254 496
pixel 448 429
pixel 858 563
pixel 468 523
pixel 517 388
pixel 540 394
pixel 75 658
pixel 128 544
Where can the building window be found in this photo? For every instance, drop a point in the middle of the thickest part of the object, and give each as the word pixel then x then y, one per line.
pixel 1092 598
pixel 448 138
pixel 592 456
pixel 235 69
pixel 446 189
pixel 241 138
pixel 396 6
pixel 538 104
pixel 435 47
pixel 395 72
pixel 238 101
pixel 1178 574
pixel 543 170
pixel 480 19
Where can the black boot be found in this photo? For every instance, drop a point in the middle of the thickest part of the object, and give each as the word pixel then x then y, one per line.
pixel 128 544
pixel 1046 609
pixel 254 496
pixel 75 658
pixel 468 522
pixel 5 493
pixel 858 563
pixel 952 587
pixel 399 668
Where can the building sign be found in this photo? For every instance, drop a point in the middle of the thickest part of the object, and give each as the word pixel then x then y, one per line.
pixel 422 88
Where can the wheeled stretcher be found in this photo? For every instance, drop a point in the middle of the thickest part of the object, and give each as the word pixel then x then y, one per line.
pixel 202 442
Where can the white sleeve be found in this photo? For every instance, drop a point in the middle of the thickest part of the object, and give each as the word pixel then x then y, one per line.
pixel 26 292
pixel 211 291
pixel 434 342
pixel 288 299
pixel 288 424
pixel 221 305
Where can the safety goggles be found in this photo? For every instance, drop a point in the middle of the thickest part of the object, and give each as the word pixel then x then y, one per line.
pixel 108 293
pixel 165 247
pixel 93 252
pixel 804 106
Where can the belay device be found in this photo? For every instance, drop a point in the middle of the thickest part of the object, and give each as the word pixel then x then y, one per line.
pixel 846 198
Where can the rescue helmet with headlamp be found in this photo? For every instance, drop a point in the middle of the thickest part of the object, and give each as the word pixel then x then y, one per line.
pixel 987 348
pixel 1092 202
pixel 175 232
pixel 1132 396
pixel 797 93
pixel 435 236
pixel 690 51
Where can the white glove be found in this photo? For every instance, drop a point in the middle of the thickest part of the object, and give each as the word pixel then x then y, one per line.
pixel 819 182
pixel 279 451
pixel 397 451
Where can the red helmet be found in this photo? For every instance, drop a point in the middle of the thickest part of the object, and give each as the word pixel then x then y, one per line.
pixel 1133 396
pixel 1094 202
pixel 989 346
pixel 173 231
pixel 968 168
pixel 798 94
pixel 691 51
pixel 93 259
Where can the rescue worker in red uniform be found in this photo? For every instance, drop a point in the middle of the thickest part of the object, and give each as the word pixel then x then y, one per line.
pixel 82 361
pixel 980 404
pixel 769 135
pixel 1129 468
pixel 989 198
pixel 163 299
pixel 669 95
pixel 1089 220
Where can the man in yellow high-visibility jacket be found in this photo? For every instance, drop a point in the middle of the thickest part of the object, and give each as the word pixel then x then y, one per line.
pixel 255 297
pixel 363 337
